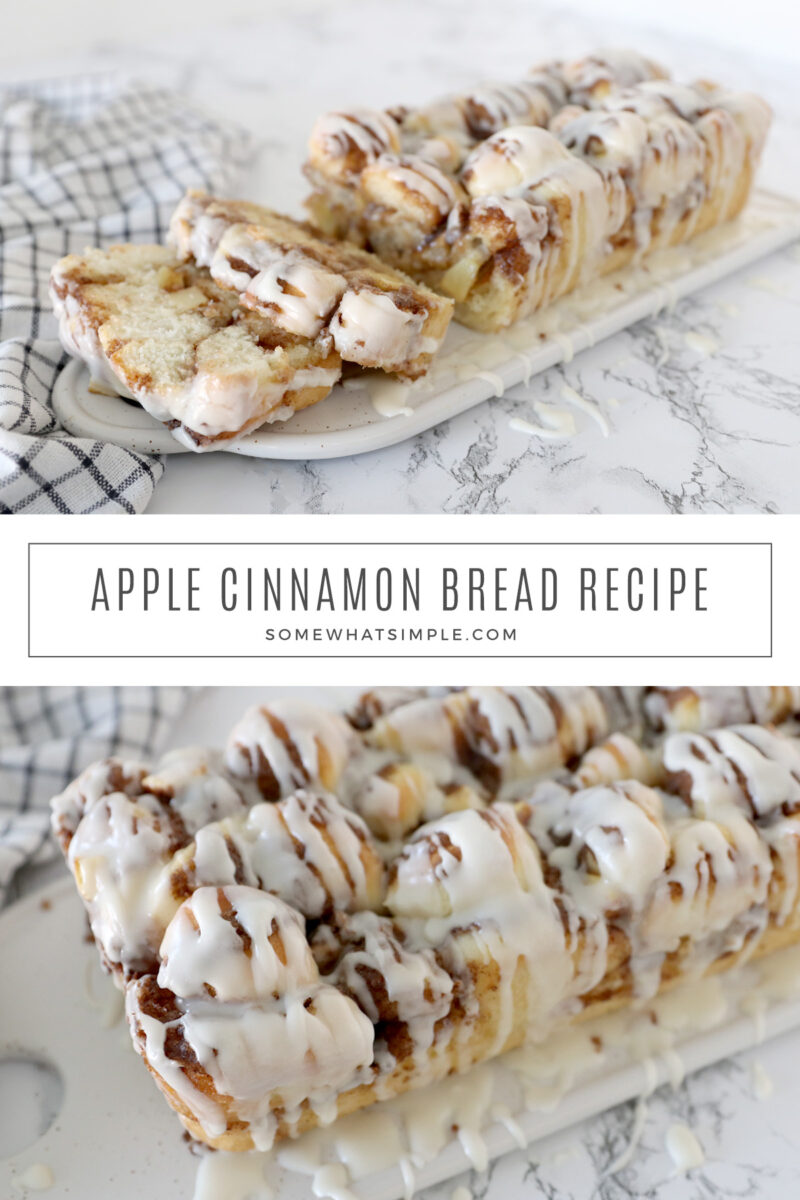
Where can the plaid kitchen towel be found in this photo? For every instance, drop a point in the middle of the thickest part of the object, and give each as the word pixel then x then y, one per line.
pixel 48 735
pixel 83 162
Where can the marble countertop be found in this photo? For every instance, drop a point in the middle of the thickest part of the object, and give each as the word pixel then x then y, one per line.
pixel 690 431
pixel 749 1143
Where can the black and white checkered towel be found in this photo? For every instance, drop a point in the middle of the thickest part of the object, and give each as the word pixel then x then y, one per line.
pixel 48 735
pixel 84 162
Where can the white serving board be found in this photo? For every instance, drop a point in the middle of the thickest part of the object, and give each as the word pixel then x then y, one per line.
pixel 115 1136
pixel 470 367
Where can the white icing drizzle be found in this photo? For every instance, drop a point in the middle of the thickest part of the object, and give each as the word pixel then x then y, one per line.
pixel 213 404
pixel 702 343
pixel 618 757
pixel 501 105
pixel 758 771
pixel 663 336
pixel 336 136
pixel 201 949
pixel 708 707
pixel 755 767
pixel 502 1113
pixel 621 827
pixel 616 65
pixel 441 872
pixel 514 160
pixel 566 344
pixel 298 292
pixel 194 231
pixel 414 988
pixel 398 796
pixel 588 406
pixel 527 366
pixel 509 731
pixel 440 879
pixel 637 1129
pixel 388 398
pixel 492 378
pixel 256 1026
pixel 488 109
pixel 38 1177
pixel 720 872
pixel 289 744
pixel 307 848
pixel 412 181
pixel 763 1087
pixel 530 161
pixel 235 1176
pixel 123 840
pixel 331 1181
pixel 557 423
pixel 370 328
pixel 764 284
pixel 97 781
pixel 683 1148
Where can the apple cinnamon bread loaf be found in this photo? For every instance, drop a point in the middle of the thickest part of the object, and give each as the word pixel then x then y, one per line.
pixel 321 916
pixel 506 198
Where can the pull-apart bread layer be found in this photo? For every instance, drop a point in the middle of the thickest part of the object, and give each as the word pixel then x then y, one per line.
pixel 508 197
pixel 310 286
pixel 331 912
pixel 164 333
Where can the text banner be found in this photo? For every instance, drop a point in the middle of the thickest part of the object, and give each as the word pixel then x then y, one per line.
pixel 404 600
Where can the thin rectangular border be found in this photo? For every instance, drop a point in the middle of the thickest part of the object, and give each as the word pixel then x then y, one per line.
pixel 338 657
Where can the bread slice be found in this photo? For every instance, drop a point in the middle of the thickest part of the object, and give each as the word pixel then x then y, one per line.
pixel 164 333
pixel 375 315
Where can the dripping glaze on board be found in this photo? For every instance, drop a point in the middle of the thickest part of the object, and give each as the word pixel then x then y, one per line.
pixel 563 324
pixel 417 1126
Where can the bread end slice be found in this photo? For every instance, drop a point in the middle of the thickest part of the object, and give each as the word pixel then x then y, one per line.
pixel 162 332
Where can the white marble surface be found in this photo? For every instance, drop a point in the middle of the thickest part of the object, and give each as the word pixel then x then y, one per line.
pixel 690 431
pixel 750 1145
